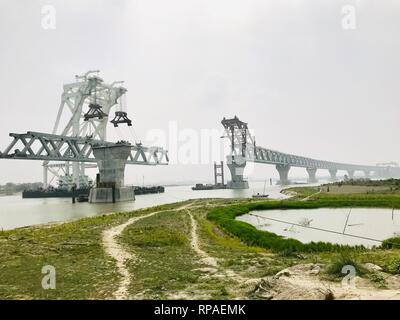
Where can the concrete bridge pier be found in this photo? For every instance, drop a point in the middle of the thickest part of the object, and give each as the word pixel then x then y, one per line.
pixel 385 173
pixel 283 170
pixel 392 173
pixel 367 173
pixel 375 174
pixel 236 167
pixel 379 174
pixel 311 175
pixel 333 173
pixel 111 161
pixel 350 173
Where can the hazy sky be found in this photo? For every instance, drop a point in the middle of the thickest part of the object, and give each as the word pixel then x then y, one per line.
pixel 304 83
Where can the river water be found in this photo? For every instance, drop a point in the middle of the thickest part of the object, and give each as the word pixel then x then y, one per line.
pixel 17 212
pixel 373 223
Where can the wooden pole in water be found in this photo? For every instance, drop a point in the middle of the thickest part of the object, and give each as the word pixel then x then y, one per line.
pixel 215 173
pixel 73 194
pixel 347 220
pixel 113 194
pixel 222 172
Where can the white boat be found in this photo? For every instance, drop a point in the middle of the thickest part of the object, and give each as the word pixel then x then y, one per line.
pixel 260 195
pixel 263 195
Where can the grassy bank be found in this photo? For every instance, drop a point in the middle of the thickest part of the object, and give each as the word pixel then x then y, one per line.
pixel 357 195
pixel 83 270
pixel 169 269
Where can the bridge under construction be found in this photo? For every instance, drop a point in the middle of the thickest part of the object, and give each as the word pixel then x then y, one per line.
pixel 243 148
pixel 81 142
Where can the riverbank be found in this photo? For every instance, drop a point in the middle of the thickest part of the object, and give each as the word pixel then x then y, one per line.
pixel 386 192
pixel 175 252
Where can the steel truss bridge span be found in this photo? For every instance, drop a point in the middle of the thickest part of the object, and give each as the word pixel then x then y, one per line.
pixel 262 155
pixel 243 148
pixel 52 147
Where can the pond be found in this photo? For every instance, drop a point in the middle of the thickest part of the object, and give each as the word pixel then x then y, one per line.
pixel 351 226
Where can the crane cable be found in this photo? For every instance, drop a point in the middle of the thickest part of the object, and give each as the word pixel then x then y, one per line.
pixel 119 132
pixel 122 107
pixel 133 134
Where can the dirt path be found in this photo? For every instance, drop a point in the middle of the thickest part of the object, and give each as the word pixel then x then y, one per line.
pixel 194 241
pixel 311 195
pixel 215 269
pixel 118 252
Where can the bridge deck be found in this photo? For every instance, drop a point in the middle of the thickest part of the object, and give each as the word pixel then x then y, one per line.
pixel 243 145
pixel 51 147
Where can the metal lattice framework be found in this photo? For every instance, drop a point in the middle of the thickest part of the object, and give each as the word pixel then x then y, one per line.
pixel 88 89
pixel 75 100
pixel 51 147
pixel 243 146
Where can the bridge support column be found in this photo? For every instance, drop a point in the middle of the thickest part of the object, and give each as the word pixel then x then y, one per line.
pixel 392 173
pixel 236 167
pixel 350 173
pixel 311 175
pixel 283 174
pixel 111 161
pixel 333 173
pixel 75 174
pixel 367 173
pixel 45 178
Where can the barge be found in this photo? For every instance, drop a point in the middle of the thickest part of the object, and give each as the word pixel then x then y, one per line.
pixel 200 186
pixel 80 193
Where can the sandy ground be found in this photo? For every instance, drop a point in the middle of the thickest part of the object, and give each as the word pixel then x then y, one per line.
pixel 303 282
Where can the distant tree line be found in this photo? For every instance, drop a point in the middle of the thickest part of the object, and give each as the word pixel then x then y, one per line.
pixel 11 187
pixel 368 182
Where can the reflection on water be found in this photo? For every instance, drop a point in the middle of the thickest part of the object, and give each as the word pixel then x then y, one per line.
pixel 18 212
pixel 371 223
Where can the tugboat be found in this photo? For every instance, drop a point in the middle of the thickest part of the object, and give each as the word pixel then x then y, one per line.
pixel 147 190
pixel 83 198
